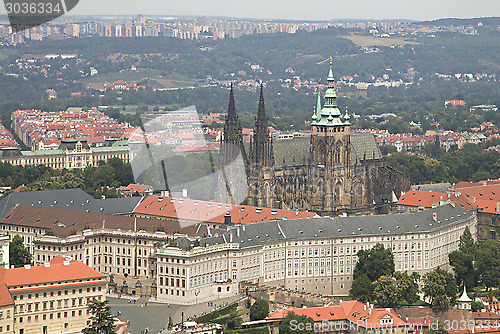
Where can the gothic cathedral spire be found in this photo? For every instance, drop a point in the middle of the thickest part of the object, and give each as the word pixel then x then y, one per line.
pixel 232 185
pixel 232 140
pixel 261 146
pixel 261 160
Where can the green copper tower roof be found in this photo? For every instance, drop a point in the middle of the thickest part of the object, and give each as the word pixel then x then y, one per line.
pixel 329 114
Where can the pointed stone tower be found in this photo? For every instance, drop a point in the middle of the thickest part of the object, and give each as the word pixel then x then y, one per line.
pixel 232 140
pixel 233 164
pixel 261 160
pixel 329 153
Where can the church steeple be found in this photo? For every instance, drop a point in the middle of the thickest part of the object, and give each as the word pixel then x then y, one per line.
pixel 232 140
pixel 261 146
pixel 317 113
pixel 231 109
pixel 330 114
pixel 261 113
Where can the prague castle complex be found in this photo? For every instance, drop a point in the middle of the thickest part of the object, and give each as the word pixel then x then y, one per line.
pixel 342 172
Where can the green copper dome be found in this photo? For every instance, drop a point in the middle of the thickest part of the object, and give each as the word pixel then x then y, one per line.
pixel 329 114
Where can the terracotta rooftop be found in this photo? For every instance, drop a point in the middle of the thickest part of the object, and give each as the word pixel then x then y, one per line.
pixel 422 198
pixel 5 297
pixel 63 223
pixel 58 270
pixel 212 212
pixel 351 310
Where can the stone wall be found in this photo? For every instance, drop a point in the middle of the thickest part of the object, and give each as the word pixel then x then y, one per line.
pixel 285 297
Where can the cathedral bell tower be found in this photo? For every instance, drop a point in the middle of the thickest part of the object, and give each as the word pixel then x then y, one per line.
pixel 329 153
pixel 261 160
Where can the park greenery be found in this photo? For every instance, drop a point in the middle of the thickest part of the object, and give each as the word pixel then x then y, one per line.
pixel 287 327
pixel 19 255
pixel 433 164
pixel 101 319
pixel 259 310
pixel 376 281
pixel 476 264
pixel 96 181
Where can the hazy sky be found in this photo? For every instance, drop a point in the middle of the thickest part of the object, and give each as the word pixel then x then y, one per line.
pixel 297 9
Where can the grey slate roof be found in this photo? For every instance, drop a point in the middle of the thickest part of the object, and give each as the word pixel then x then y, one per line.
pixel 325 227
pixel 291 152
pixel 69 199
pixel 294 152
pixel 436 187
pixel 364 146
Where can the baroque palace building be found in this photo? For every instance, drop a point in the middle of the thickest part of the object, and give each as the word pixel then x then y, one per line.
pixel 315 255
pixel 71 154
pixel 335 171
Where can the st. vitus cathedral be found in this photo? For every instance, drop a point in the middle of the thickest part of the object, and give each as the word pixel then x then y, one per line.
pixel 334 171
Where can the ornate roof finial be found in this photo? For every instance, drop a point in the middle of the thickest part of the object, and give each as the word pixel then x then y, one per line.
pixel 330 73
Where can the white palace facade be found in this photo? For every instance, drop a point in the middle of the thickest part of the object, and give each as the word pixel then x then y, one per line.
pixel 316 255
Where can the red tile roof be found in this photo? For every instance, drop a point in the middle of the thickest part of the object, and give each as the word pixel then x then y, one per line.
pixel 59 270
pixel 5 297
pixel 422 198
pixel 318 314
pixel 212 212
pixel 351 310
pixel 63 223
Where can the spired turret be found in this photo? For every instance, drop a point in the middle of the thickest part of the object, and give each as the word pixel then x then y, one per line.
pixel 329 114
pixel 329 152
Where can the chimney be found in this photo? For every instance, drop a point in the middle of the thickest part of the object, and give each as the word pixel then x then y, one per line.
pixel 184 193
pixel 473 200
pixel 364 307
pixel 369 311
pixel 46 264
pixel 238 232
pixel 227 219
pixel 66 262
pixel 497 208
pixel 435 217
pixel 27 266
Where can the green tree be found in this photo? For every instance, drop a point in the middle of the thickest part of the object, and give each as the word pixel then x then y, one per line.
pixel 407 286
pixel 294 323
pixel 440 287
pixel 476 306
pixel 234 322
pixel 259 310
pixel 462 260
pixel 374 263
pixel 488 263
pixel 437 328
pixel 18 254
pixel 467 243
pixel 362 289
pixel 385 291
pixel 102 321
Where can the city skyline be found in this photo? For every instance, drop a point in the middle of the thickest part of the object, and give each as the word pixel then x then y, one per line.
pixel 295 9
